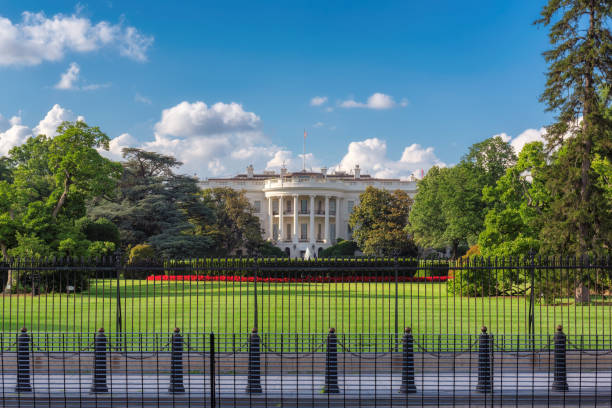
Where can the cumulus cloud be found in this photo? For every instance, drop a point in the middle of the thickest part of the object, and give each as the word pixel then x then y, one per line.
pixel 198 119
pixel 527 136
pixel 37 38
pixel 48 125
pixel 69 78
pixel 375 101
pixel 371 156
pixel 318 100
pixel 15 135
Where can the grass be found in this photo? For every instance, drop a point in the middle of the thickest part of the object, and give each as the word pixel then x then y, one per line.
pixel 229 307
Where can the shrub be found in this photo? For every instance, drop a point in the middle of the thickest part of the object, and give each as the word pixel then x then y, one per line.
pixel 342 248
pixel 141 256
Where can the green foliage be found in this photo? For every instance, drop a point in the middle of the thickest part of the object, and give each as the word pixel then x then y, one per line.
pixel 379 223
pixel 101 229
pixel 141 253
pixel 234 226
pixel 449 209
pixel 156 206
pixel 268 250
pixel 577 90
pixel 341 249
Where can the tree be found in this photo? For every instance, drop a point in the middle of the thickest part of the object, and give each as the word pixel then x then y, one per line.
pixel 448 208
pixel 379 223
pixel 77 166
pixel 153 205
pixel 51 179
pixel 578 77
pixel 234 224
pixel 520 203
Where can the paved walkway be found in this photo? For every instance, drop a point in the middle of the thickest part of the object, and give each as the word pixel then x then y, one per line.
pixel 292 390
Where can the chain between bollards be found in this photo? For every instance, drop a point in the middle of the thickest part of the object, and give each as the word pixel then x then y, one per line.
pixel 331 364
pixel 176 363
pixel 23 362
pixel 560 364
pixel 408 386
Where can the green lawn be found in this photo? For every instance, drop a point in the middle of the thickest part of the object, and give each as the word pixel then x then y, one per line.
pixel 227 307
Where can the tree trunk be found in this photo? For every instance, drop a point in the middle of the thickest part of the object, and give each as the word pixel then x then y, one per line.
pixel 62 198
pixel 9 274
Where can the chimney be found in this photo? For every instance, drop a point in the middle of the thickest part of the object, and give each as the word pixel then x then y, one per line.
pixel 283 171
pixel 324 171
pixel 357 171
pixel 250 171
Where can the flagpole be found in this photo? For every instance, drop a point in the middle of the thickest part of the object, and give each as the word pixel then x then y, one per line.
pixel 304 153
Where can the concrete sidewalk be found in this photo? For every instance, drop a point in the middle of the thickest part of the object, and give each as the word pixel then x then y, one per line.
pixel 513 389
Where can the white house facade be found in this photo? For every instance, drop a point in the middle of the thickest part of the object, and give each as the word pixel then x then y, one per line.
pixel 305 211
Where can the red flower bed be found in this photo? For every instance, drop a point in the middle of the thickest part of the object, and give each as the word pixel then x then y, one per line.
pixel 313 279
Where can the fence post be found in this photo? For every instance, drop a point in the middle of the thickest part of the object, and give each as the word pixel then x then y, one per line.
pixel 98 383
pixel 119 323
pixel 396 273
pixel 255 305
pixel 408 386
pixel 23 362
pixel 213 387
pixel 560 378
pixel 331 364
pixel 485 363
pixel 176 363
pixel 254 381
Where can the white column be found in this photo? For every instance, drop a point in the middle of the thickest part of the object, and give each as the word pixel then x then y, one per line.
pixel 326 232
pixel 280 218
pixel 271 218
pixel 311 232
pixel 295 218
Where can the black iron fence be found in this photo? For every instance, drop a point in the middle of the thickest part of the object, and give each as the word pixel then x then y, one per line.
pixel 256 332
pixel 367 295
pixel 299 369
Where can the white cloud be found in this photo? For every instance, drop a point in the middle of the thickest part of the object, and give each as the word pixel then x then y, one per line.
pixel 69 78
pixel 37 38
pixel 318 100
pixel 371 156
pixel 142 99
pixel 318 124
pixel 197 119
pixel 53 118
pixel 15 135
pixel 116 146
pixel 527 136
pixel 375 101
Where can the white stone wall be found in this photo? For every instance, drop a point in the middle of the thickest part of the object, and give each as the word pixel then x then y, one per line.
pixel 317 189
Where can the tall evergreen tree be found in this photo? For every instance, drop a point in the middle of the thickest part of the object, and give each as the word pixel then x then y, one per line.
pixel 580 70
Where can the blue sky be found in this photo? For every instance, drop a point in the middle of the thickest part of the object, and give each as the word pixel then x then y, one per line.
pixel 237 80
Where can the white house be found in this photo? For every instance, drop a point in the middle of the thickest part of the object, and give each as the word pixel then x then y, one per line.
pixel 301 210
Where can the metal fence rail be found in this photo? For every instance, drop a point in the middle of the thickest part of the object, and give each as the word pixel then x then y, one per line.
pixel 316 369
pixel 366 295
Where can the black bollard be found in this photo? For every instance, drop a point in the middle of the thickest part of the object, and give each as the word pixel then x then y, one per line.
pixel 23 362
pixel 254 381
pixel 560 378
pixel 98 383
pixel 485 362
pixel 331 364
pixel 408 386
pixel 176 363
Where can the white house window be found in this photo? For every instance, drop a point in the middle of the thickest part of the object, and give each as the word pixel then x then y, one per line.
pixel 304 206
pixel 332 232
pixel 304 231
pixel 288 232
pixel 275 207
pixel 350 205
pixel 319 237
pixel 257 206
pixel 275 232
pixel 332 207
